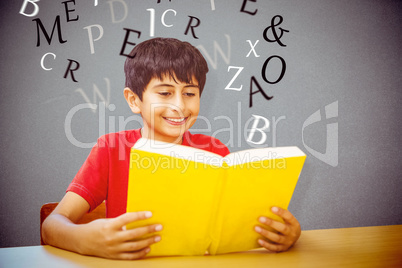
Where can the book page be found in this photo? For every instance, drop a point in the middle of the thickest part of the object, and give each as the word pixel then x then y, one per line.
pixel 250 191
pixel 182 196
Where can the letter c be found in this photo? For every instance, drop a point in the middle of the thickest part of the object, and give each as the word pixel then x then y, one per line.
pixel 43 58
pixel 163 17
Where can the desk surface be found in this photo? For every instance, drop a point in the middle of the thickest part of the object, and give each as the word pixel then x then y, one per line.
pixel 377 246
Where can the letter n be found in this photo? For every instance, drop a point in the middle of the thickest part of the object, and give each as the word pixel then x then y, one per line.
pixel 39 25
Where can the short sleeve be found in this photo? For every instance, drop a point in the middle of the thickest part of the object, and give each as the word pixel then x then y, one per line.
pixel 91 181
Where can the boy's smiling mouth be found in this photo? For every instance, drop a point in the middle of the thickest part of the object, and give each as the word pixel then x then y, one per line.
pixel 176 120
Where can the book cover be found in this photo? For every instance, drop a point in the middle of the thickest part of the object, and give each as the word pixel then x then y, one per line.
pixel 206 202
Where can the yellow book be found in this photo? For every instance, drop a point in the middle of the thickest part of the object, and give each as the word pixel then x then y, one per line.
pixel 207 203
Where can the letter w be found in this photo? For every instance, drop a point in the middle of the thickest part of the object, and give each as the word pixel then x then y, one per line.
pixel 49 39
pixel 96 94
pixel 217 48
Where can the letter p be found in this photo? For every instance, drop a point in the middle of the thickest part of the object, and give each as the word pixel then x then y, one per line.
pixel 91 40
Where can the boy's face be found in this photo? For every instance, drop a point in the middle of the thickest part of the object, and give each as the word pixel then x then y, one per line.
pixel 168 108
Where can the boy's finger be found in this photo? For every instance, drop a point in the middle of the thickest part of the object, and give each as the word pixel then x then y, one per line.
pixel 274 237
pixel 140 231
pixel 139 244
pixel 276 225
pixel 285 215
pixel 272 247
pixel 127 218
pixel 134 255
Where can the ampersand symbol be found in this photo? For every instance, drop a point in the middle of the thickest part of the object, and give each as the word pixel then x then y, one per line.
pixel 273 27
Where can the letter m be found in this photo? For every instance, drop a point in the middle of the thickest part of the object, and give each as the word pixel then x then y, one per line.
pixel 39 26
pixel 217 48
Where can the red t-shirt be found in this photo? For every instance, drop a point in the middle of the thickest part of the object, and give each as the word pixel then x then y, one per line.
pixel 104 174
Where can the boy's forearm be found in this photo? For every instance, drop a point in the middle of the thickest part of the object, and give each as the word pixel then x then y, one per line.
pixel 60 232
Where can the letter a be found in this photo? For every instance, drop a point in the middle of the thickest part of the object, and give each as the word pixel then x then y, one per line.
pixel 259 90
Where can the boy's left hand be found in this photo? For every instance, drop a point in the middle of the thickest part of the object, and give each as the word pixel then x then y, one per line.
pixel 288 232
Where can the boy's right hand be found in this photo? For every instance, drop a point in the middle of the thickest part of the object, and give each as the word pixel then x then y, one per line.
pixel 109 238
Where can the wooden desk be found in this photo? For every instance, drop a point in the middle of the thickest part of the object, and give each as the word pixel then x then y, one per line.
pixel 378 246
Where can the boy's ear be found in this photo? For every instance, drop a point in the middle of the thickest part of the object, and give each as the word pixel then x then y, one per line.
pixel 133 100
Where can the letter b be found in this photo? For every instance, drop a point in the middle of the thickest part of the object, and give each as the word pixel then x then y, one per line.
pixel 261 130
pixel 24 6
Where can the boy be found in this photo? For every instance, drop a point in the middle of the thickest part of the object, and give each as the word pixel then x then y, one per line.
pixel 164 81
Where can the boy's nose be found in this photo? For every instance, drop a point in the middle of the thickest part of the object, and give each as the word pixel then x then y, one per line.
pixel 178 104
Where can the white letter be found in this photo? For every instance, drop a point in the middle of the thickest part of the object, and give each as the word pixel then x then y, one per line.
pixel 152 22
pixel 212 4
pixel 252 48
pixel 217 48
pixel 112 10
pixel 24 5
pixel 163 17
pixel 91 40
pixel 96 92
pixel 254 128
pixel 41 61
pixel 239 69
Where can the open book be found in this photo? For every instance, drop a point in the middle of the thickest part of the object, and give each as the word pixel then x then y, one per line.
pixel 207 203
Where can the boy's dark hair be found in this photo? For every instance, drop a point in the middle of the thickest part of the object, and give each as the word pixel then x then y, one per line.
pixel 159 57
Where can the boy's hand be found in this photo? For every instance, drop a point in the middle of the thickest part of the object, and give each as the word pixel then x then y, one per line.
pixel 109 238
pixel 289 231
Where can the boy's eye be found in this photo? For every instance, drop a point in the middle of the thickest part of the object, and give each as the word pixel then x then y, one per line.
pixel 164 93
pixel 189 94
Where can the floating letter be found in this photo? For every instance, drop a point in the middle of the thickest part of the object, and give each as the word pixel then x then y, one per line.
pixel 244 6
pixel 261 130
pixel 239 69
pixel 112 10
pixel 259 90
pixel 198 22
pixel 69 10
pixel 43 58
pixel 24 6
pixel 91 40
pixel 49 39
pixel 126 42
pixel 217 48
pixel 72 70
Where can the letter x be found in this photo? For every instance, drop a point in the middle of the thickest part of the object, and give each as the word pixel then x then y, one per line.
pixel 252 48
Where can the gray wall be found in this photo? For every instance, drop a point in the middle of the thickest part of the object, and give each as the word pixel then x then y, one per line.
pixel 339 99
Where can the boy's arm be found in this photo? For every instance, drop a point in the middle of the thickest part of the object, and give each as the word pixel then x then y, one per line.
pixel 288 232
pixel 106 238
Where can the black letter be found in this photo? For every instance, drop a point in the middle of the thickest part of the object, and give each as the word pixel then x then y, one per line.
pixel 246 11
pixel 49 39
pixel 264 67
pixel 259 90
pixel 192 27
pixel 126 42
pixel 69 10
pixel 72 70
